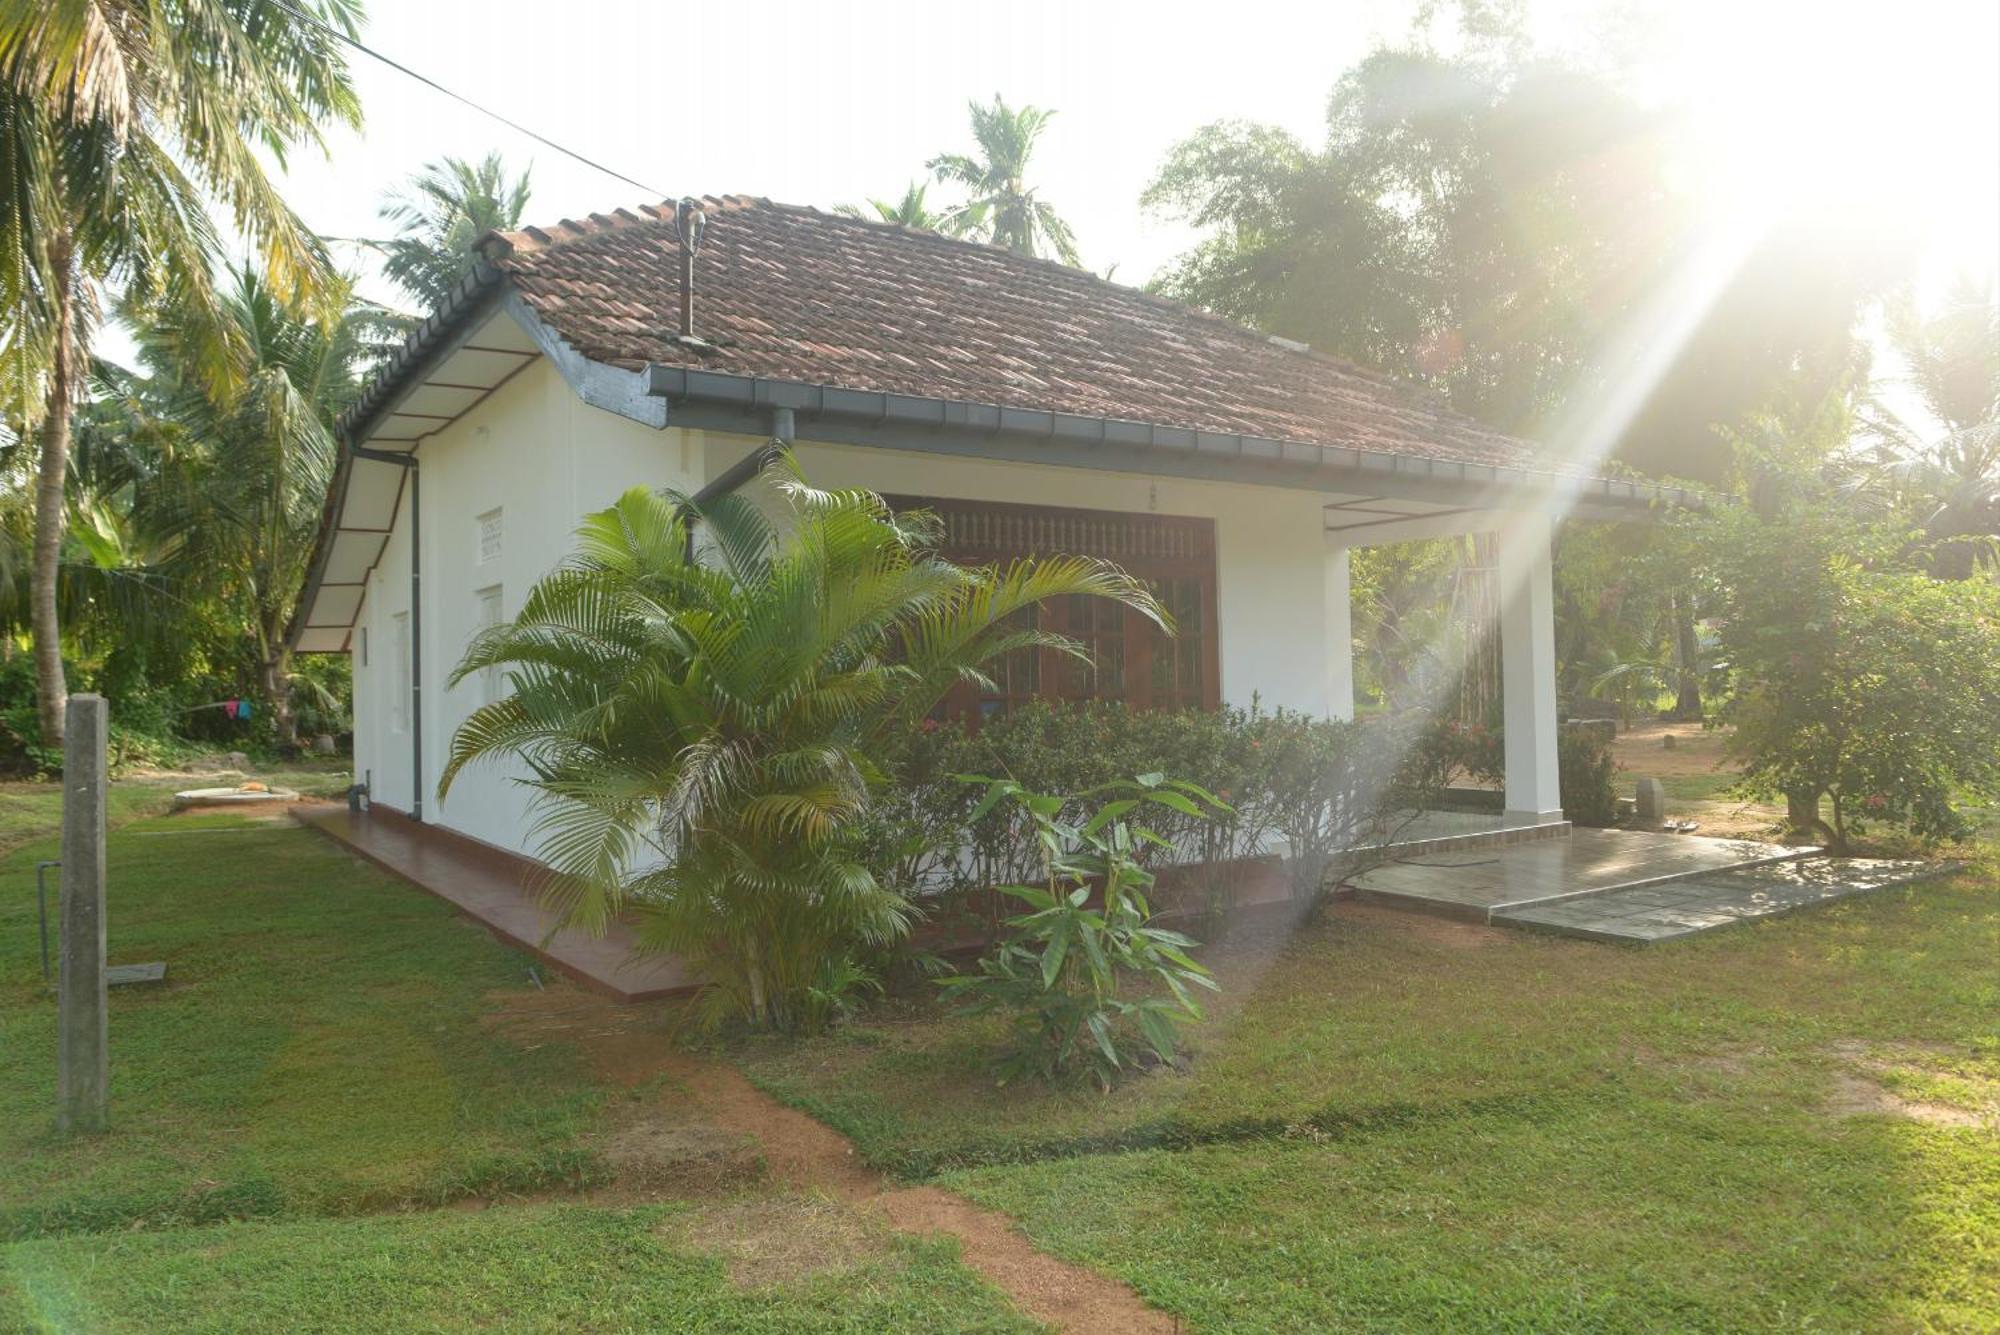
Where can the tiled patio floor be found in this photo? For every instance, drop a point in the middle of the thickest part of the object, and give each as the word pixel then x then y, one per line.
pixel 1664 911
pixel 1481 884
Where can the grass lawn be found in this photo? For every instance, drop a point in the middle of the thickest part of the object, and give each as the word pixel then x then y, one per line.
pixel 518 1268
pixel 1393 1123
pixel 317 1045
pixel 33 810
pixel 1390 1122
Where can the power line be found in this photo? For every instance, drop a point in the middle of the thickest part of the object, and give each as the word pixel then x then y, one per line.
pixel 428 82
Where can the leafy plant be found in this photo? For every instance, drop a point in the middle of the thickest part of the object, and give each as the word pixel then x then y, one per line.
pixel 707 725
pixel 1858 686
pixel 1062 971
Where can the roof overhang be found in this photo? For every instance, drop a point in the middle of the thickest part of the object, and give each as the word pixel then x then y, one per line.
pixel 480 339
pixel 1412 485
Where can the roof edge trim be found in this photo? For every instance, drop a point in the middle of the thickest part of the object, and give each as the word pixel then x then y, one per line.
pixel 906 421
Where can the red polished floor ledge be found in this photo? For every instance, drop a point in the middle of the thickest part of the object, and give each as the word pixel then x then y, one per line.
pixel 492 885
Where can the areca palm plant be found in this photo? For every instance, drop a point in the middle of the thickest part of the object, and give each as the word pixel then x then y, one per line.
pixel 1001 206
pixel 440 215
pixel 912 210
pixel 123 125
pixel 706 733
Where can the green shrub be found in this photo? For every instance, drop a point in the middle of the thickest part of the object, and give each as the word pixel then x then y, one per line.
pixel 1873 691
pixel 1584 767
pixel 1060 972
pixel 1315 788
pixel 1587 774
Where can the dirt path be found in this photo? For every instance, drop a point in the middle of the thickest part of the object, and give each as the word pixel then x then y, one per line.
pixel 706 1127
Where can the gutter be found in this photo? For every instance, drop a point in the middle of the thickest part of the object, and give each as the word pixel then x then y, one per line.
pixel 719 401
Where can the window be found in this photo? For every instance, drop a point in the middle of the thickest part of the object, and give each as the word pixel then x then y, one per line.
pixel 399 708
pixel 1131 660
pixel 490 614
pixel 489 537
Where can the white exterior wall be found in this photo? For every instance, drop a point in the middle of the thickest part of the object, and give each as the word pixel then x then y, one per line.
pixel 544 459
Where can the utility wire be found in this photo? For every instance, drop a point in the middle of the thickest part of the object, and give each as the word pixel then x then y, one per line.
pixel 428 82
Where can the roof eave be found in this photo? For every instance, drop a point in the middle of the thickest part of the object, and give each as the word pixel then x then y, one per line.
pixel 721 401
pixel 427 344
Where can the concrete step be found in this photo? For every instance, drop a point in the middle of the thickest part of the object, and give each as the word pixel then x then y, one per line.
pixel 1666 910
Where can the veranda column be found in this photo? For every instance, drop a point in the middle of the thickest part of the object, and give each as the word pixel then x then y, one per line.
pixel 1528 668
pixel 1339 633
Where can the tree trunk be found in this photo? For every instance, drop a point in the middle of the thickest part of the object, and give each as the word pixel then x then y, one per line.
pixel 51 691
pixel 278 695
pixel 1802 819
pixel 1687 653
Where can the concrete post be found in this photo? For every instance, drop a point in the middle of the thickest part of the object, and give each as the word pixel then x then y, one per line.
pixel 1528 669
pixel 83 1069
pixel 1339 633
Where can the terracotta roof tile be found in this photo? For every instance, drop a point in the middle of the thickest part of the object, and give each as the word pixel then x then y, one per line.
pixel 795 294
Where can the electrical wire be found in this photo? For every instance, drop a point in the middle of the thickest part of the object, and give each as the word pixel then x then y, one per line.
pixel 428 82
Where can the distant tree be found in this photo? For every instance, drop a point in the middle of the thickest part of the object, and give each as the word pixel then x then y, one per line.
pixel 1001 206
pixel 1490 223
pixel 440 214
pixel 127 123
pixel 1947 479
pixel 911 210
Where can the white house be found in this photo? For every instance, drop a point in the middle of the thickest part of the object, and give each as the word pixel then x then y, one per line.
pixel 1040 408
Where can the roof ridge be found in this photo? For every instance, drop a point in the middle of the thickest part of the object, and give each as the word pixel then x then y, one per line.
pixel 497 245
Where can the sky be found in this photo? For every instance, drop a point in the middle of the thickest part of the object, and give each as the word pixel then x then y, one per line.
pixel 825 103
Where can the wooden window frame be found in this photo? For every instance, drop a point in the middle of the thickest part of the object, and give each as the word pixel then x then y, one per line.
pixel 1152 547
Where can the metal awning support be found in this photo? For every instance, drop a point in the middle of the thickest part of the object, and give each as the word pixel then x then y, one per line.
pixel 407 459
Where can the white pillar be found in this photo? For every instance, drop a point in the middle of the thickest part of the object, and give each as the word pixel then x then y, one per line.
pixel 1339 633
pixel 1528 668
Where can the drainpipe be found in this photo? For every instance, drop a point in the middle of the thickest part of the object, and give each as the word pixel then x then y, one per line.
pixel 729 479
pixel 407 459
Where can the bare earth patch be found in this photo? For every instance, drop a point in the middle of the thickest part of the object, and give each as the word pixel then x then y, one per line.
pixel 773 1241
pixel 697 1126
pixel 1864 1089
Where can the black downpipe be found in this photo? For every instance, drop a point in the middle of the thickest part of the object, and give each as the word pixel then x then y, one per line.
pixel 740 472
pixel 408 459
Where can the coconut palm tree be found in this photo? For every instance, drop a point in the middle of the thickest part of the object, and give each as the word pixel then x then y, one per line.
pixel 1947 478
pixel 1002 207
pixel 242 496
pixel 910 211
pixel 706 735
pixel 125 123
pixel 440 214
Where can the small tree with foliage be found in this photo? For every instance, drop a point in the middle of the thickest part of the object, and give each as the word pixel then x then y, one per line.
pixel 1874 689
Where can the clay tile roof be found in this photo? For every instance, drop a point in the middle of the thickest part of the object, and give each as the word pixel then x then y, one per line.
pixel 791 293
